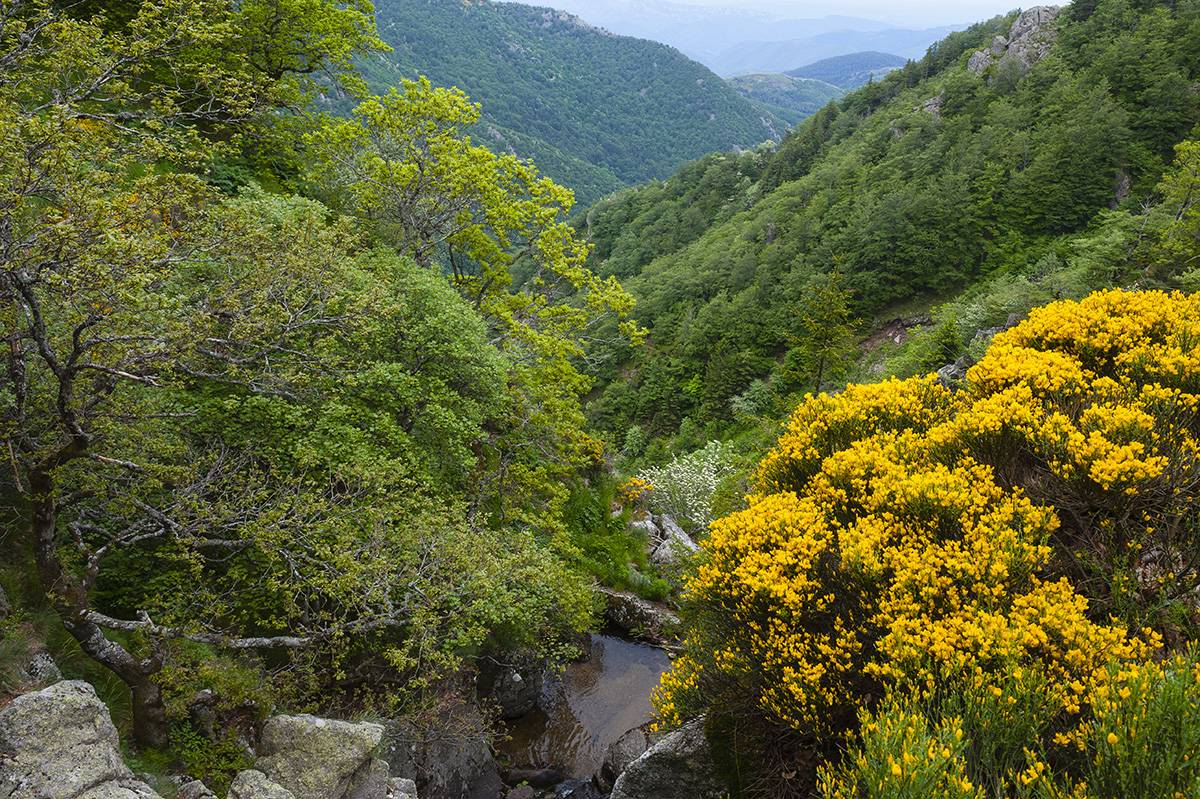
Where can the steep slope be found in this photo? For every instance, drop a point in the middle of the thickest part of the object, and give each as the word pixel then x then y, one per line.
pixel 790 98
pixel 851 70
pixel 1018 181
pixel 631 109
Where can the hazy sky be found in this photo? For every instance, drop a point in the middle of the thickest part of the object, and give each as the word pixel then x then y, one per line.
pixel 925 12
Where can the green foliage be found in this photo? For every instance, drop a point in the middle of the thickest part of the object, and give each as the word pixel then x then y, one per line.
pixel 241 420
pixel 851 70
pixel 633 108
pixel 215 763
pixel 1008 190
pixel 791 98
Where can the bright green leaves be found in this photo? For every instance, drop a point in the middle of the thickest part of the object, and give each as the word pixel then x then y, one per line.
pixel 404 166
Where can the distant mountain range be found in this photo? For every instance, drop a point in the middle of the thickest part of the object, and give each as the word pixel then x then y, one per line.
pixel 851 70
pixel 595 110
pixel 733 41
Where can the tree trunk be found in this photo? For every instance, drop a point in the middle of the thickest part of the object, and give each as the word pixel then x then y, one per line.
pixel 69 598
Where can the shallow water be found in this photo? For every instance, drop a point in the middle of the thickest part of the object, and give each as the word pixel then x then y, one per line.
pixel 589 707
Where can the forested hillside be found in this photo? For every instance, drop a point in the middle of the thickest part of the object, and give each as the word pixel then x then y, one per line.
pixel 849 71
pixel 790 98
pixel 345 457
pixel 597 111
pixel 1031 173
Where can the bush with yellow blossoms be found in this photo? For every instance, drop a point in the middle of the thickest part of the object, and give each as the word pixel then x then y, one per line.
pixel 1091 407
pixel 967 550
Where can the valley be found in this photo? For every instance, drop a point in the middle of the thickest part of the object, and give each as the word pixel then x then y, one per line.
pixel 461 399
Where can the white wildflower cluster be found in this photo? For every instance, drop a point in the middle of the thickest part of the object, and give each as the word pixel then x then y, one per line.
pixel 684 488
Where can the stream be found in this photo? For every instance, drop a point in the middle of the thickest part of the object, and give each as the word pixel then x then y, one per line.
pixel 588 708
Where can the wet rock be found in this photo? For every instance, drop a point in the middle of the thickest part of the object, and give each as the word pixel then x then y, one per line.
pixel 60 743
pixel 256 785
pixel 577 789
pixel 680 766
pixel 536 777
pixel 626 749
pixel 513 690
pixel 457 764
pixel 639 618
pixel 317 758
pixel 522 792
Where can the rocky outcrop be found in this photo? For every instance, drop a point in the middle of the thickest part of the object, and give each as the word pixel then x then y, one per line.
pixel 60 743
pixel 253 784
pixel 513 689
pixel 639 618
pixel 622 752
pixel 315 758
pixel 673 546
pixel 1028 41
pixel 457 765
pixel 680 766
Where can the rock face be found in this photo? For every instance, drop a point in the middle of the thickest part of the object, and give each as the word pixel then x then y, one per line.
pixel 450 766
pixel 623 751
pixel 674 545
pixel 316 758
pixel 639 617
pixel 1028 41
pixel 256 785
pixel 680 766
pixel 402 789
pixel 513 690
pixel 60 743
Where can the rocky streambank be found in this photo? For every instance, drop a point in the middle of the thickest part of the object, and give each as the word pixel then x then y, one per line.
pixel 60 743
pixel 584 734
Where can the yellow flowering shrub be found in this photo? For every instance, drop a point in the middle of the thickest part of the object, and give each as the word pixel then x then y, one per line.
pixel 1091 406
pixel 901 756
pixel 906 539
pixel 888 569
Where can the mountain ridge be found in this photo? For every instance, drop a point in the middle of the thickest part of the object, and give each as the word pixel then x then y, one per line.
pixel 632 108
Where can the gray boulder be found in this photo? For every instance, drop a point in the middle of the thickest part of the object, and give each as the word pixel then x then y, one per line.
pixel 317 758
pixel 256 785
pixel 623 751
pixel 399 788
pixel 60 743
pixel 676 545
pixel 639 618
pixel 194 789
pixel 646 527
pixel 680 766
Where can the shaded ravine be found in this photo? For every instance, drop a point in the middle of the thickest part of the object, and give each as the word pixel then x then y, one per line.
pixel 588 708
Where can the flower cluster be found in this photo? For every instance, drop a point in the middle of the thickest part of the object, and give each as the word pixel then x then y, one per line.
pixel 904 540
pixel 684 488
